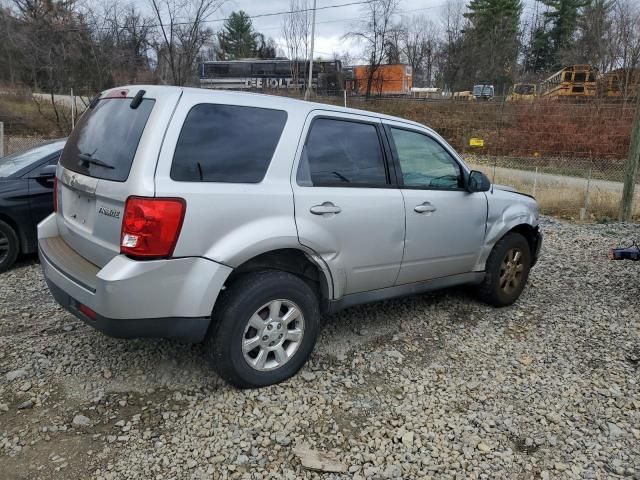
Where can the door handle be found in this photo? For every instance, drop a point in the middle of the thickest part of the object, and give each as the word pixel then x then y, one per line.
pixel 326 207
pixel 425 207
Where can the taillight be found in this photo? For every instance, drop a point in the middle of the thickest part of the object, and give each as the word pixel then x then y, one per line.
pixel 55 194
pixel 151 226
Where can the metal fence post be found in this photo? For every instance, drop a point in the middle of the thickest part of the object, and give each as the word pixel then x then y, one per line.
pixel 535 183
pixel 631 170
pixel 1 139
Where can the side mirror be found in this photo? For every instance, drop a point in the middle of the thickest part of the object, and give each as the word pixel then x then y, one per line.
pixel 48 171
pixel 478 182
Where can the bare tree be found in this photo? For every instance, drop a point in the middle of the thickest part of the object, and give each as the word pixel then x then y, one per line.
pixel 625 47
pixel 374 33
pixel 392 47
pixel 121 44
pixel 419 45
pixel 181 35
pixel 296 28
pixel 451 57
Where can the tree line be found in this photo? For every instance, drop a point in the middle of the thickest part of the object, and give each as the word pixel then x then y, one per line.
pixel 56 45
pixel 499 41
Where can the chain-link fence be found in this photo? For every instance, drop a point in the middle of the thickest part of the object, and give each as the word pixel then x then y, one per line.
pixel 570 156
pixel 12 144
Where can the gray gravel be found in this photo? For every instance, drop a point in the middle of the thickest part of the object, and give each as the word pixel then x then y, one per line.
pixel 437 386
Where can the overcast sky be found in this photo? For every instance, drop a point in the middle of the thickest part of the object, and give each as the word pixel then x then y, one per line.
pixel 331 24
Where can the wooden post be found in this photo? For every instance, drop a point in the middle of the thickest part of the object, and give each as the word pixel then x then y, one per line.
pixel 631 170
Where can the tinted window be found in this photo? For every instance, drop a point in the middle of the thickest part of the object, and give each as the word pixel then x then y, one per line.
pixel 109 135
pixel 227 143
pixel 13 164
pixel 424 162
pixel 342 153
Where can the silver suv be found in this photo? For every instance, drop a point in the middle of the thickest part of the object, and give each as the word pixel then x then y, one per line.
pixel 238 219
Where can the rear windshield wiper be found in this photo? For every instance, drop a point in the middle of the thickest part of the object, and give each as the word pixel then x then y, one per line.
pixel 88 158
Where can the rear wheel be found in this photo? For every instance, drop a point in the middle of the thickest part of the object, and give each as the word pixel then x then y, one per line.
pixel 9 246
pixel 264 329
pixel 507 271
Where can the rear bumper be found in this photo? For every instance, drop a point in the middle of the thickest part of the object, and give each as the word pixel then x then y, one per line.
pixel 159 298
pixel 192 329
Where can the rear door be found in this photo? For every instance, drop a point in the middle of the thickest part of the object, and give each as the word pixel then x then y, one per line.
pixel 111 154
pixel 346 206
pixel 445 224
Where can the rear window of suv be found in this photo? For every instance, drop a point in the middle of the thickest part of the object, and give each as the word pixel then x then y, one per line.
pixel 227 143
pixel 105 141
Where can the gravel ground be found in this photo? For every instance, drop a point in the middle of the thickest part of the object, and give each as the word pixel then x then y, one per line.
pixel 436 386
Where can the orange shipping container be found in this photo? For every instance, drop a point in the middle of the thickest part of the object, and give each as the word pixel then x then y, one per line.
pixel 387 80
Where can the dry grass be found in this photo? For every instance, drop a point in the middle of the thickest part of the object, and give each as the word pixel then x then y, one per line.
pixel 22 116
pixel 561 198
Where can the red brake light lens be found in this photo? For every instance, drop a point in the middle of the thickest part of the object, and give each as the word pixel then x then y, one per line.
pixel 88 312
pixel 55 194
pixel 151 226
pixel 122 93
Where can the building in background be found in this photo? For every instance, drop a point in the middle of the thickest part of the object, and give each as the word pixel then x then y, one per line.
pixel 275 74
pixel 387 80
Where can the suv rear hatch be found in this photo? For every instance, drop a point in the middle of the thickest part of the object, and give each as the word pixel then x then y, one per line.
pixel 110 155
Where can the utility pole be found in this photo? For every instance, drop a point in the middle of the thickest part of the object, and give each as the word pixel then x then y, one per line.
pixel 313 36
pixel 631 170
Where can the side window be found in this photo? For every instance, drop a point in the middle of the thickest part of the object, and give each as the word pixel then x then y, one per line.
pixel 227 143
pixel 342 153
pixel 424 162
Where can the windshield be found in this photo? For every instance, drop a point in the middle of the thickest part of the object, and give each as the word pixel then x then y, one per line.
pixel 105 141
pixel 483 90
pixel 524 89
pixel 12 164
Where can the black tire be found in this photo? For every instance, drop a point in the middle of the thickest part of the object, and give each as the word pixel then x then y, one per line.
pixel 494 289
pixel 9 246
pixel 230 319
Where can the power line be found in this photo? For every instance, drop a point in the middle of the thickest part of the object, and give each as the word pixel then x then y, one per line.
pixel 339 20
pixel 252 17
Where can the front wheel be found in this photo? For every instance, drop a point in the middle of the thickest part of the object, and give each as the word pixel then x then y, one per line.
pixel 507 270
pixel 264 329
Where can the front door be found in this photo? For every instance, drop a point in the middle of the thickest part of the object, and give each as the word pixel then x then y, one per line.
pixel 345 206
pixel 445 224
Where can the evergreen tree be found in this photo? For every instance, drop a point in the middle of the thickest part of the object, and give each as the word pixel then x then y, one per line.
pixel 540 57
pixel 594 26
pixel 563 18
pixel 237 39
pixel 494 35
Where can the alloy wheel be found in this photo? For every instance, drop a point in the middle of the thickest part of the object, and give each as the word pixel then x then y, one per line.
pixel 511 271
pixel 273 335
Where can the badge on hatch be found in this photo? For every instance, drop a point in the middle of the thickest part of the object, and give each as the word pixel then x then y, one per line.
pixel 109 212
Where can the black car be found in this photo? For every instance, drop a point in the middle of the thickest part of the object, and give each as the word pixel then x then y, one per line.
pixel 26 198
